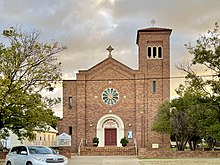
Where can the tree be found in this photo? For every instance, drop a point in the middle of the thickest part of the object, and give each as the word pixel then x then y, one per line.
pixel 196 113
pixel 180 117
pixel 206 53
pixel 27 68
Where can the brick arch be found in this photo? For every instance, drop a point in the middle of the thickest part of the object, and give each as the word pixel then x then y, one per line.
pixel 100 130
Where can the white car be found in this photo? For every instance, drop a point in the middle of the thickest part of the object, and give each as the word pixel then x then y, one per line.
pixel 34 155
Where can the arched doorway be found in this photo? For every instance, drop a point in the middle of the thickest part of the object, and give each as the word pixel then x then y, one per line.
pixel 110 127
pixel 109 130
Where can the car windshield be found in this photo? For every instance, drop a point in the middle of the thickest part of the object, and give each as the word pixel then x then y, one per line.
pixel 40 150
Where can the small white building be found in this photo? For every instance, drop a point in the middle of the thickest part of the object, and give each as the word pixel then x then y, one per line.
pixel 46 138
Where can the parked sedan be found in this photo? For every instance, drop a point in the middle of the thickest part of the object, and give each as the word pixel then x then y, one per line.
pixel 34 155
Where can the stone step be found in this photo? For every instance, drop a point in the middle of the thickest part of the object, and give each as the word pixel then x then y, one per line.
pixel 108 151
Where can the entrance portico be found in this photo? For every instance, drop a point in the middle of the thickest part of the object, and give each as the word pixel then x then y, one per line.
pixel 110 130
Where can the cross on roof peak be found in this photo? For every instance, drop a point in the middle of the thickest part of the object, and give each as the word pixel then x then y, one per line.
pixel 153 22
pixel 110 49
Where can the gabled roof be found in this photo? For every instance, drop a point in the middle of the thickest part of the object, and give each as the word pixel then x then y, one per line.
pixel 105 64
pixel 63 136
pixel 153 29
pixel 48 129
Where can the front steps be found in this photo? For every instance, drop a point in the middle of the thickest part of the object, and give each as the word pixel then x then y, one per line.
pixel 108 151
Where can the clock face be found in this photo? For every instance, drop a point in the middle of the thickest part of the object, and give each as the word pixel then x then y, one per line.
pixel 110 96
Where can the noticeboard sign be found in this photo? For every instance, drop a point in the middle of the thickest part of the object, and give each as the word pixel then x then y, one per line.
pixel 63 140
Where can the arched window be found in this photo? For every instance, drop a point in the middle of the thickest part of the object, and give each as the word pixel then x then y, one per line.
pixel 149 52
pixel 70 102
pixel 159 52
pixel 154 52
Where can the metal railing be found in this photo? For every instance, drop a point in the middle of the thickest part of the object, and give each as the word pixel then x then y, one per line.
pixel 136 147
pixel 80 145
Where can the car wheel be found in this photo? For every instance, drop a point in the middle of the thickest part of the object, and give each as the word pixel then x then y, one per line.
pixel 29 163
pixel 8 163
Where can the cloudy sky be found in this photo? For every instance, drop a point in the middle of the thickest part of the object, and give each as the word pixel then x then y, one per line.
pixel 87 27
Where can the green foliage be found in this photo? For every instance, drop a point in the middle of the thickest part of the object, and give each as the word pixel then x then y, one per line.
pixel 207 53
pixel 207 50
pixel 196 113
pixel 162 122
pixel 27 68
pixel 124 141
pixel 180 118
pixel 95 140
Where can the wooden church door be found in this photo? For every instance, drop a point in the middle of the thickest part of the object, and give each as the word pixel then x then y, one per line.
pixel 110 137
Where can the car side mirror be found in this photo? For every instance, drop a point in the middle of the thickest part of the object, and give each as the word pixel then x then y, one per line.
pixel 23 152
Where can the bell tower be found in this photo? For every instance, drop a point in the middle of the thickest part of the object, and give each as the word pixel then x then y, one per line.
pixel 154 58
pixel 154 48
pixel 154 71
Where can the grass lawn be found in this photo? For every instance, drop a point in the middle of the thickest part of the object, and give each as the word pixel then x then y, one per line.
pixel 190 161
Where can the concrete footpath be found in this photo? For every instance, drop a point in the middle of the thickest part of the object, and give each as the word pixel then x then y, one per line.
pixel 103 160
pixel 99 160
pixel 128 160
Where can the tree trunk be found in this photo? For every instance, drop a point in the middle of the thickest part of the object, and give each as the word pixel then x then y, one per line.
pixel 180 145
pixel 192 144
pixel 211 143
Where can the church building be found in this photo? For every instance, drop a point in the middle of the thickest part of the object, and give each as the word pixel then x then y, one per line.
pixel 111 101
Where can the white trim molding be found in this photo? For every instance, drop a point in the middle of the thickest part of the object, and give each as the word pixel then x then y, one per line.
pixel 100 130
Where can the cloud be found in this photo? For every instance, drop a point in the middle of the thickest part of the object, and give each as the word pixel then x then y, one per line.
pixel 87 27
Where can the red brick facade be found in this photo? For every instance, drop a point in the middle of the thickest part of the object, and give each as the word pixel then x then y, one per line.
pixel 138 102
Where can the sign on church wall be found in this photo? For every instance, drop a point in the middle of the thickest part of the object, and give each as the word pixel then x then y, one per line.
pixel 64 140
pixel 130 135
pixel 155 145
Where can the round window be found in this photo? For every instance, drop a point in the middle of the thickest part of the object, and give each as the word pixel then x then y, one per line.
pixel 110 96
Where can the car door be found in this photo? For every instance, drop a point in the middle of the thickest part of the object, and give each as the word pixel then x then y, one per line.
pixel 21 158
pixel 13 156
